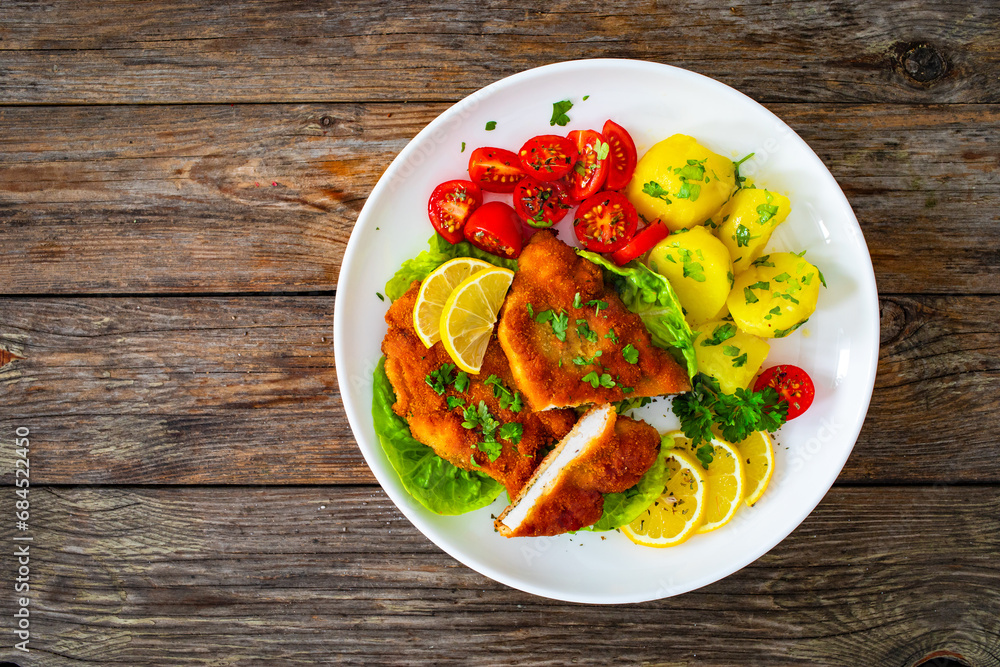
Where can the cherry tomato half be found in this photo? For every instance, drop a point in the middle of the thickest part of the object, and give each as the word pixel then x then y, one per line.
pixel 540 204
pixel 495 227
pixel 495 169
pixel 548 157
pixel 450 206
pixel 792 384
pixel 605 222
pixel 621 156
pixel 641 243
pixel 590 170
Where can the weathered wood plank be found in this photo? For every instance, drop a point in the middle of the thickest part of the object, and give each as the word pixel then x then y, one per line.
pixel 260 51
pixel 242 390
pixel 259 198
pixel 320 575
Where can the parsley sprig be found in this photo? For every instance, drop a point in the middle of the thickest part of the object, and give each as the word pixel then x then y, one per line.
pixel 736 415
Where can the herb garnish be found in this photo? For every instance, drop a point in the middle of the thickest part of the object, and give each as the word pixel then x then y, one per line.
pixel 559 110
pixel 737 415
pixel 603 380
pixel 508 400
pixel 440 379
pixel 721 333
pixel 656 191
pixel 630 354
pixel 559 322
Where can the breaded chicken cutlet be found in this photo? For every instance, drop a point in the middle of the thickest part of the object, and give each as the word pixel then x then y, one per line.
pixel 603 453
pixel 571 341
pixel 505 441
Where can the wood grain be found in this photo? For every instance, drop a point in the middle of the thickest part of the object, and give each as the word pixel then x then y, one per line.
pixel 323 575
pixel 242 390
pixel 259 51
pixel 174 199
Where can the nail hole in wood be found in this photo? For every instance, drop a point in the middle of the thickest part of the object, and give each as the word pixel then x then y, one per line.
pixel 326 121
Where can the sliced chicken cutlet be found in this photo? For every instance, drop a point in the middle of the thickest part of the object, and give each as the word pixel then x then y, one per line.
pixel 483 425
pixel 570 340
pixel 603 453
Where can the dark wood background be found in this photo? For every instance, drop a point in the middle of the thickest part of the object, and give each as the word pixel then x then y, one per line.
pixel 178 181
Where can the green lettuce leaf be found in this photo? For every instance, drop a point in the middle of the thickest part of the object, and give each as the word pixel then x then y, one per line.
pixel 439 252
pixel 650 296
pixel 625 507
pixel 436 484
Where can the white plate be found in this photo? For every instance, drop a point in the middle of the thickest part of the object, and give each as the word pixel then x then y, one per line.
pixel 839 345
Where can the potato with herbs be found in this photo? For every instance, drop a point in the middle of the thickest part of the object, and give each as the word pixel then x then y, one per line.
pixel 729 355
pixel 681 182
pixel 699 269
pixel 776 295
pixel 746 221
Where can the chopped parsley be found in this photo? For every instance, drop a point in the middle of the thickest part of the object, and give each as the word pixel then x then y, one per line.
pixel 748 294
pixel 559 322
pixel 656 191
pixel 559 110
pixel 512 432
pixel 583 361
pixel 603 380
pixel 380 297
pixel 491 125
pixel 508 400
pixel 461 381
pixel 781 333
pixel 630 354
pixel 440 379
pixel 736 167
pixel 693 171
pixel 766 212
pixel 690 268
pixel 598 304
pixel 742 236
pixel 763 260
pixel 585 332
pixel 737 415
pixel 721 333
pixel 612 336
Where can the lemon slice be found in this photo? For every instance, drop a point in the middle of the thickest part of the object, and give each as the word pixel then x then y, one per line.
pixel 757 454
pixel 680 509
pixel 434 292
pixel 726 480
pixel 469 314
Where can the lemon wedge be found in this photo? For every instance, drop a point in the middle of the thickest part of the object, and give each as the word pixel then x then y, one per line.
pixel 725 477
pixel 757 454
pixel 434 292
pixel 680 509
pixel 469 314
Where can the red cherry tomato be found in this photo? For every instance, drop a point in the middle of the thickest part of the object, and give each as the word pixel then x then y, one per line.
pixel 495 169
pixel 621 156
pixel 540 204
pixel 793 385
pixel 548 157
pixel 590 170
pixel 605 222
pixel 641 243
pixel 495 227
pixel 450 206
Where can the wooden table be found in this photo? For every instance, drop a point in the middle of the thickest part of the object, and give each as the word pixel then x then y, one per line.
pixel 177 185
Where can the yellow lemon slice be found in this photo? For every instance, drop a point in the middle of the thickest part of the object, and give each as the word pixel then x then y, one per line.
pixel 757 454
pixel 469 314
pixel 434 292
pixel 680 509
pixel 725 476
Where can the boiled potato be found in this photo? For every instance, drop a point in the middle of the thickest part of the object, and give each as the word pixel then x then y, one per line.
pixel 775 296
pixel 746 221
pixel 699 269
pixel 729 355
pixel 681 182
